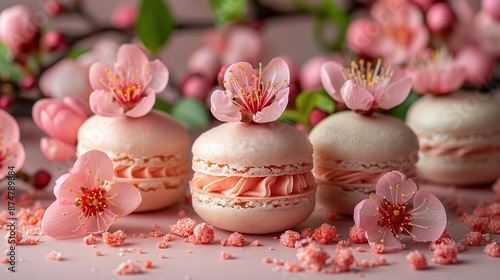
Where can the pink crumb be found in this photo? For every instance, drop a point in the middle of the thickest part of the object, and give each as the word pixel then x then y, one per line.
pixel 492 249
pixel 235 239
pixel 226 255
pixel 381 261
pixel 342 260
pixel 202 234
pixel 473 238
pixel 54 256
pixel 255 243
pixel 445 253
pixel 476 223
pixel 313 257
pixel 377 248
pixel 357 235
pixel 307 232
pixel 140 251
pixel 168 237
pixel 89 239
pixel 15 236
pixel 142 235
pixel 359 249
pixel 293 267
pixel 97 253
pixel 127 268
pixel 278 262
pixel 494 224
pixel 114 239
pixel 4 260
pixel 182 213
pixel 267 260
pixel 184 227
pixel 162 256
pixel 289 238
pixel 325 234
pixel 32 241
pixel 156 233
pixel 161 245
pixel 344 243
pixel 148 264
pixel 417 260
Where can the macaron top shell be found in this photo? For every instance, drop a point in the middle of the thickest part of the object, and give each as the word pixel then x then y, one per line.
pixel 464 112
pixel 350 137
pixel 252 150
pixel 155 134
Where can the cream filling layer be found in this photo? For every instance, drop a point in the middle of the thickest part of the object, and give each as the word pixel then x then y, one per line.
pixel 149 172
pixel 466 150
pixel 270 186
pixel 353 177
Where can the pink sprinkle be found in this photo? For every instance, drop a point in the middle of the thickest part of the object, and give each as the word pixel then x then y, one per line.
pixel 54 256
pixel 97 253
pixel 168 237
pixel 226 255
pixel 162 256
pixel 377 248
pixel 4 260
pixel 202 234
pixel 357 235
pixel 32 241
pixel 255 243
pixel 140 251
pixel 344 243
pixel 128 267
pixel 492 249
pixel 89 239
pixel 267 260
pixel 307 232
pixel 278 262
pixel 325 234
pixel 114 239
pixel 342 260
pixel 445 253
pixel 313 257
pixel 148 264
pixel 156 233
pixel 289 238
pixel 293 267
pixel 235 239
pixel 417 260
pixel 184 227
pixel 161 245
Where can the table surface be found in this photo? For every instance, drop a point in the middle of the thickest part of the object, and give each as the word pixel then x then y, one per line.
pixel 187 261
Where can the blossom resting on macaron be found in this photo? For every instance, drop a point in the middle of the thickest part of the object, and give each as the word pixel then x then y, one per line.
pixel 12 152
pixel 260 96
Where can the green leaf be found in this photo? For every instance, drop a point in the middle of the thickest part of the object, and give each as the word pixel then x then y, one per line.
pixel 309 100
pixel 162 105
pixel 155 24
pixel 328 15
pixel 76 52
pixel 227 11
pixel 8 70
pixel 191 113
pixel 289 117
pixel 401 110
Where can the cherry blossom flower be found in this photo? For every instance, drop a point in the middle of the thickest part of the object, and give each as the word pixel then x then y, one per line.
pixel 18 29
pixel 129 87
pixel 364 87
pixel 86 201
pixel 436 73
pixel 250 95
pixel 390 214
pixel 11 150
pixel 60 119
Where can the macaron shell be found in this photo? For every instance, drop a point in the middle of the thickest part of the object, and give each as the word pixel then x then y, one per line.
pixel 253 215
pixel 341 199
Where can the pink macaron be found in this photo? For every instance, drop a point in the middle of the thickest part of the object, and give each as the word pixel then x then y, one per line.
pixel 352 152
pixel 459 137
pixel 150 152
pixel 253 178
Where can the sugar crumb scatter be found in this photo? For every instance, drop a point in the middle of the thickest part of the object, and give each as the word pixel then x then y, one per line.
pixel 492 249
pixel 54 256
pixel 226 255
pixel 128 268
pixel 184 227
pixel 114 239
pixel 417 260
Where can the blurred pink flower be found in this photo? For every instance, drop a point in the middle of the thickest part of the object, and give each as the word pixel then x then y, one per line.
pixel 488 31
pixel 364 87
pixel 310 72
pixel 250 95
pixel 129 87
pixel 478 65
pixel 124 15
pixel 60 119
pixel 11 149
pixel 390 214
pixel 436 72
pixel 440 18
pixel 18 30
pixel 492 7
pixel 86 201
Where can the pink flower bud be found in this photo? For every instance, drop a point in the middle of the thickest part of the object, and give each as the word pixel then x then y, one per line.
pixel 5 103
pixel 440 18
pixel 204 61
pixel 316 116
pixel 28 82
pixel 53 41
pixel 53 8
pixel 124 16
pixel 41 179
pixel 491 7
pixel 18 30
pixel 424 4
pixel 197 87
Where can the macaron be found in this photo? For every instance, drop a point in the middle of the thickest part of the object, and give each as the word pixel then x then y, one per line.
pixel 459 137
pixel 151 152
pixel 352 152
pixel 253 178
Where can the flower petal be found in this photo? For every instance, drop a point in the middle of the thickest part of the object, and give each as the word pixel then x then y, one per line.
pixel 97 76
pixel 450 80
pixel 160 76
pixel 71 188
pixel 102 103
pixel 132 55
pixel 98 223
pixel 238 74
pixel 97 165
pixel 385 237
pixel 9 128
pixel 428 217
pixel 126 198
pixel 142 107
pixel 272 112
pixel 356 97
pixel 420 81
pixel 332 79
pixel 396 92
pixel 14 157
pixel 395 187
pixel 276 72
pixel 56 150
pixel 366 215
pixel 59 182
pixel 61 221
pixel 223 107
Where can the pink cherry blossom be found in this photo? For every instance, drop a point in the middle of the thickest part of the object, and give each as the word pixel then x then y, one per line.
pixel 11 150
pixel 60 119
pixel 18 30
pixel 397 209
pixel 250 95
pixel 436 72
pixel 129 87
pixel 492 7
pixel 124 15
pixel 86 200
pixel 364 86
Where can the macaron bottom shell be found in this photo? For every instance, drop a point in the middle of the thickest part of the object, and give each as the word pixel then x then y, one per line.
pixel 342 199
pixel 254 215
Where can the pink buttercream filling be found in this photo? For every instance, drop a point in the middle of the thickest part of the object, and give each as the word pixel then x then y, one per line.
pixel 149 172
pixel 253 186
pixel 341 177
pixel 462 151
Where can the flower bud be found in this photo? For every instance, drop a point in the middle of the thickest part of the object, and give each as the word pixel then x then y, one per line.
pixel 440 18
pixel 18 31
pixel 53 41
pixel 492 8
